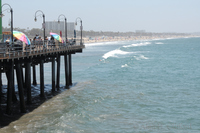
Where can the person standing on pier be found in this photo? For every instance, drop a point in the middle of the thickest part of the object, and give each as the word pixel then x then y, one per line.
pixel 8 40
pixel 52 41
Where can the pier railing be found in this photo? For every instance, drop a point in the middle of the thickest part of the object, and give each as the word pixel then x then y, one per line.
pixel 17 50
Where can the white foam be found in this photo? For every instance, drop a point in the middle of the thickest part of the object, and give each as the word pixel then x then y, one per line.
pixel 140 57
pixel 159 43
pixel 125 65
pixel 100 43
pixel 158 39
pixel 114 53
pixel 137 44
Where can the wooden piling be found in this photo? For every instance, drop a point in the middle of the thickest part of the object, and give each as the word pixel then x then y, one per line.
pixel 58 73
pixel 14 97
pixel 53 74
pixel 22 76
pixel 66 71
pixel 9 89
pixel 0 77
pixel 42 77
pixel 20 87
pixel 28 81
pixel 0 86
pixel 70 69
pixel 34 76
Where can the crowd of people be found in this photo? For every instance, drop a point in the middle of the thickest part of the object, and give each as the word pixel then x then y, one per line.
pixel 37 42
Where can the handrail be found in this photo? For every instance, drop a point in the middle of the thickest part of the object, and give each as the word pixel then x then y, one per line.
pixel 18 50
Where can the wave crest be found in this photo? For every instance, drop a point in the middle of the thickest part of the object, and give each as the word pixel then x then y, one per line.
pixel 114 53
pixel 137 44
pixel 140 57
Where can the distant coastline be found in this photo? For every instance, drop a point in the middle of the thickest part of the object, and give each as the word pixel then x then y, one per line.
pixel 114 39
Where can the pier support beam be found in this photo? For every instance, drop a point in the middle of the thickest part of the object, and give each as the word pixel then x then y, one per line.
pixel 22 76
pixel 14 97
pixel 28 81
pixel 0 77
pixel 53 75
pixel 20 87
pixel 34 76
pixel 42 77
pixel 66 71
pixel 0 87
pixel 10 87
pixel 58 73
pixel 70 69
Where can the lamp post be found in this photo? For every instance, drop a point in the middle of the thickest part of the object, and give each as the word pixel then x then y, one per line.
pixel 11 11
pixel 65 25
pixel 43 25
pixel 80 27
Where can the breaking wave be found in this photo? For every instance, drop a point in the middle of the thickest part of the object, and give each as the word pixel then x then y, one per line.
pixel 159 43
pixel 140 57
pixel 115 53
pixel 137 44
pixel 125 65
pixel 101 43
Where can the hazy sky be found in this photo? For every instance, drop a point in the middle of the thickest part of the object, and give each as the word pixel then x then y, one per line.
pixel 111 15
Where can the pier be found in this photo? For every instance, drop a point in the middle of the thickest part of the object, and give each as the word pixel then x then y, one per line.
pixel 15 59
pixel 19 57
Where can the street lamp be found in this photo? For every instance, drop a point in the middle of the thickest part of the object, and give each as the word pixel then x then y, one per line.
pixel 80 27
pixel 11 11
pixel 65 25
pixel 43 25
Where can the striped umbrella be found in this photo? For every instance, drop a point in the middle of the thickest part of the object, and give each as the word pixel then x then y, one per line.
pixel 56 36
pixel 21 36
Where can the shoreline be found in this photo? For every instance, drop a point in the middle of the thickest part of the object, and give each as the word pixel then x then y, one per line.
pixel 140 38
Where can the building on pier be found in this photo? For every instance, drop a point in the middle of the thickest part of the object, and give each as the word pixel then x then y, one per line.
pixel 54 26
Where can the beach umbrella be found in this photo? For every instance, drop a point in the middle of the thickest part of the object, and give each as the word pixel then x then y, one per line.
pixel 21 36
pixel 56 36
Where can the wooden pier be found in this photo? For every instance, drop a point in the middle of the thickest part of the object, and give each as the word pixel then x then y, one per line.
pixel 12 59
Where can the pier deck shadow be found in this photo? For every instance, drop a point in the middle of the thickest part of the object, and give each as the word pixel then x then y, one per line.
pixel 36 102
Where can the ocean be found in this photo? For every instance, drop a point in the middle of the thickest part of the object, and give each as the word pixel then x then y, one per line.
pixel 148 86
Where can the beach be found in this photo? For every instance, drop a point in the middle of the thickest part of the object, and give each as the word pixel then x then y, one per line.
pixel 128 38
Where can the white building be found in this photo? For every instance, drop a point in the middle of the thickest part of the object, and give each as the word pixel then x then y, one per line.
pixel 54 26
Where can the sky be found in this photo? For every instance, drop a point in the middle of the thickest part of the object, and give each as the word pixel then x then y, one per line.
pixel 181 16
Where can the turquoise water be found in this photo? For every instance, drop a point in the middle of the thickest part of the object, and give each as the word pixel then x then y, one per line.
pixel 130 86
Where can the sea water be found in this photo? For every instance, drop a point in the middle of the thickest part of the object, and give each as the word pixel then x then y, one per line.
pixel 126 86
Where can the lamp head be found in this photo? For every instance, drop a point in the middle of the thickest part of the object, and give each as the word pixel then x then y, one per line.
pixel 75 23
pixel 58 21
pixel 35 19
